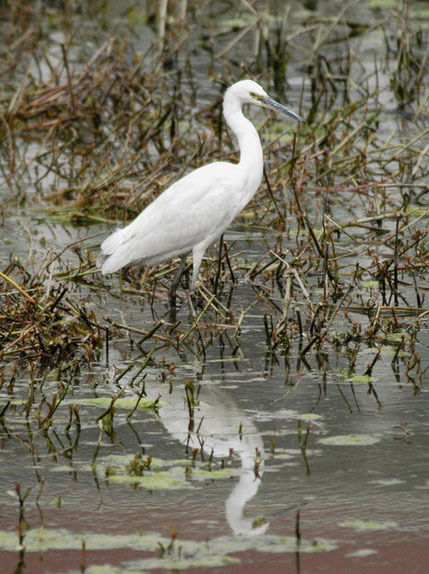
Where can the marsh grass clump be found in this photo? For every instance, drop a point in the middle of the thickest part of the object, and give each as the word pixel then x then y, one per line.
pixel 40 322
pixel 102 126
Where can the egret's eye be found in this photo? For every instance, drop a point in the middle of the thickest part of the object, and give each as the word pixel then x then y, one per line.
pixel 254 95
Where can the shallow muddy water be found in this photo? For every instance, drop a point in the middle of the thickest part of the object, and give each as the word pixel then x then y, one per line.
pixel 212 442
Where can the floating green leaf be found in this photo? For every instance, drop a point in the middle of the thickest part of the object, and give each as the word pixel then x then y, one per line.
pixel 350 440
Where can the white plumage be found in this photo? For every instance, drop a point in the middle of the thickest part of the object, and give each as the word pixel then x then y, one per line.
pixel 198 208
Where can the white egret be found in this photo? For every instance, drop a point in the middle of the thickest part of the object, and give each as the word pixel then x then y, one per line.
pixel 198 208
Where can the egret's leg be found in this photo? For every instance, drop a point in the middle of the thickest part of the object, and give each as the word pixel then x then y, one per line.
pixel 176 279
pixel 197 256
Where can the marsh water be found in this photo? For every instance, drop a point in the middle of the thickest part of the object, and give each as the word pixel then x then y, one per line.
pixel 205 444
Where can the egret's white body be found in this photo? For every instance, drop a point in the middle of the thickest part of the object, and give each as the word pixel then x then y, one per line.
pixel 198 208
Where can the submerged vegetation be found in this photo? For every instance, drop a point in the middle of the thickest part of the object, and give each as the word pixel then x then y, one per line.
pixel 101 108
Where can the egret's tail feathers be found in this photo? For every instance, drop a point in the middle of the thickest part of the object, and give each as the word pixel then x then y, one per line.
pixel 114 255
pixel 112 264
pixel 111 243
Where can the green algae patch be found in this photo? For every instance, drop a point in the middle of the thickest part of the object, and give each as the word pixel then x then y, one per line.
pixel 350 440
pixel 40 540
pixel 8 540
pixel 184 554
pixel 387 350
pixel 167 563
pixel 362 553
pixel 158 474
pixel 383 3
pixel 309 417
pixel 175 478
pixel 106 569
pixel 370 284
pixel 62 468
pixel 360 379
pixel 12 401
pixel 398 337
pixel 152 481
pixel 124 403
pixel 368 525
pixel 217 553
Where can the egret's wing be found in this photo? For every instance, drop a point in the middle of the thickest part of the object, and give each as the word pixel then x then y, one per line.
pixel 197 207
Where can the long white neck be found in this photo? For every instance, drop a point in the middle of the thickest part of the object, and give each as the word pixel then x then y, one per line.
pixel 251 155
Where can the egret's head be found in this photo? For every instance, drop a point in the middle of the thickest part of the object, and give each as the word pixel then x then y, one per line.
pixel 249 92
